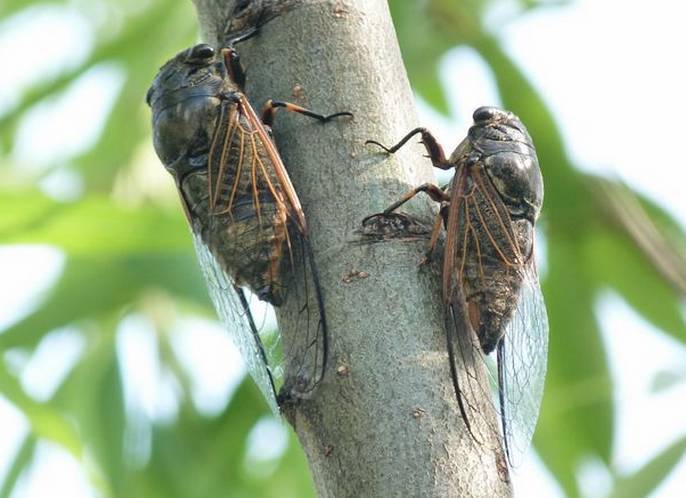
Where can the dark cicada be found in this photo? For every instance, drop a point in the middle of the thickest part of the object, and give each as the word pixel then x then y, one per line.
pixel 247 222
pixel 491 291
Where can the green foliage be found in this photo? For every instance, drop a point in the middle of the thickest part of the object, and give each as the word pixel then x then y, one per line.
pixel 583 259
pixel 114 267
pixel 125 252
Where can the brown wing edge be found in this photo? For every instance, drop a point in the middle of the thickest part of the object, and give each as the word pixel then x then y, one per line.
pixel 292 391
pixel 256 336
pixel 500 355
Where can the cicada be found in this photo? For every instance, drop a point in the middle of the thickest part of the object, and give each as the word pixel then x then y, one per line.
pixel 248 226
pixel 491 292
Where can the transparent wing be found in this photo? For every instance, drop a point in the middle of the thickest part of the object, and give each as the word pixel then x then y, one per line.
pixel 469 368
pixel 260 349
pixel 473 376
pixel 517 374
pixel 305 340
pixel 522 359
pixel 485 242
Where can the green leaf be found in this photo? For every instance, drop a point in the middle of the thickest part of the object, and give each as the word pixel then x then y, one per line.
pixel 92 395
pixel 94 287
pixel 422 47
pixel 577 412
pixel 94 225
pixel 174 472
pixel 615 261
pixel 45 421
pixel 21 462
pixel 165 21
pixel 648 478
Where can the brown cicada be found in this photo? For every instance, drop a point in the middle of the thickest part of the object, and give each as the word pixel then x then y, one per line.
pixel 491 292
pixel 248 225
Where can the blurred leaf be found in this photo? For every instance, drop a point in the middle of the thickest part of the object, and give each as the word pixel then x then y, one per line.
pixel 422 47
pixel 168 25
pixel 136 250
pixel 45 421
pixel 222 442
pixel 82 292
pixel 672 229
pixel 92 226
pixel 615 261
pixel 92 394
pixel 577 413
pixel 666 379
pixel 21 461
pixel 624 209
pixel 649 477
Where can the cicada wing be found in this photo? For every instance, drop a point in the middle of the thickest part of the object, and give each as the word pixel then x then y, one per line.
pixel 481 232
pixel 233 310
pixel 305 342
pixel 522 361
pixel 246 144
pixel 470 375
pixel 469 372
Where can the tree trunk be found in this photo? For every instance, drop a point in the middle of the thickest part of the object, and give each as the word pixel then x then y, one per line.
pixel 385 421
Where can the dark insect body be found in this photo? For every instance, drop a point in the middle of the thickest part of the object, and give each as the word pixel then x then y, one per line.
pixel 248 224
pixel 490 283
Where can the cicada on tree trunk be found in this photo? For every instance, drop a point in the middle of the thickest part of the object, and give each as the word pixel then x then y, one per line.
pixel 249 228
pixel 491 291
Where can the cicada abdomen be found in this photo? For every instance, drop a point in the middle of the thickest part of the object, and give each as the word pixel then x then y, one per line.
pixel 491 291
pixel 246 218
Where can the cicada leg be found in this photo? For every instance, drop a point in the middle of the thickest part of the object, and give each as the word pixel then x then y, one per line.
pixel 432 146
pixel 435 233
pixel 270 107
pixel 437 194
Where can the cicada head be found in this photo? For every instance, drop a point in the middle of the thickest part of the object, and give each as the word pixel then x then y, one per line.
pixel 185 97
pixel 500 142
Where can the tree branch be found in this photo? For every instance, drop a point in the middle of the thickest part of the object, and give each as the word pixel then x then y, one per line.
pixel 385 421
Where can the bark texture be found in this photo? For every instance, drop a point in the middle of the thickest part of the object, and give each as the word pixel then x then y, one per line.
pixel 385 421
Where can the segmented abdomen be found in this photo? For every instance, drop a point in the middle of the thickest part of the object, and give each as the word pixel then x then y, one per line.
pixel 247 246
pixel 493 270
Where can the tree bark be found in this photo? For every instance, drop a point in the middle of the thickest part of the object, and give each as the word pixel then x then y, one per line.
pixel 385 421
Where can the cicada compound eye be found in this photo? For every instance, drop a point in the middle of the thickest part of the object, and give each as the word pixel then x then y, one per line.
pixel 488 113
pixel 202 51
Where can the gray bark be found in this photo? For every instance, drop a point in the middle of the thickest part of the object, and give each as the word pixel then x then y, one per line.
pixel 385 421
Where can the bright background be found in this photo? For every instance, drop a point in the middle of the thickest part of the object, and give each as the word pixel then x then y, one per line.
pixel 116 381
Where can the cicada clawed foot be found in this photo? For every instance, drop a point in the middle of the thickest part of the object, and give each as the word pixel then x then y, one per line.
pixel 426 259
pixel 374 142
